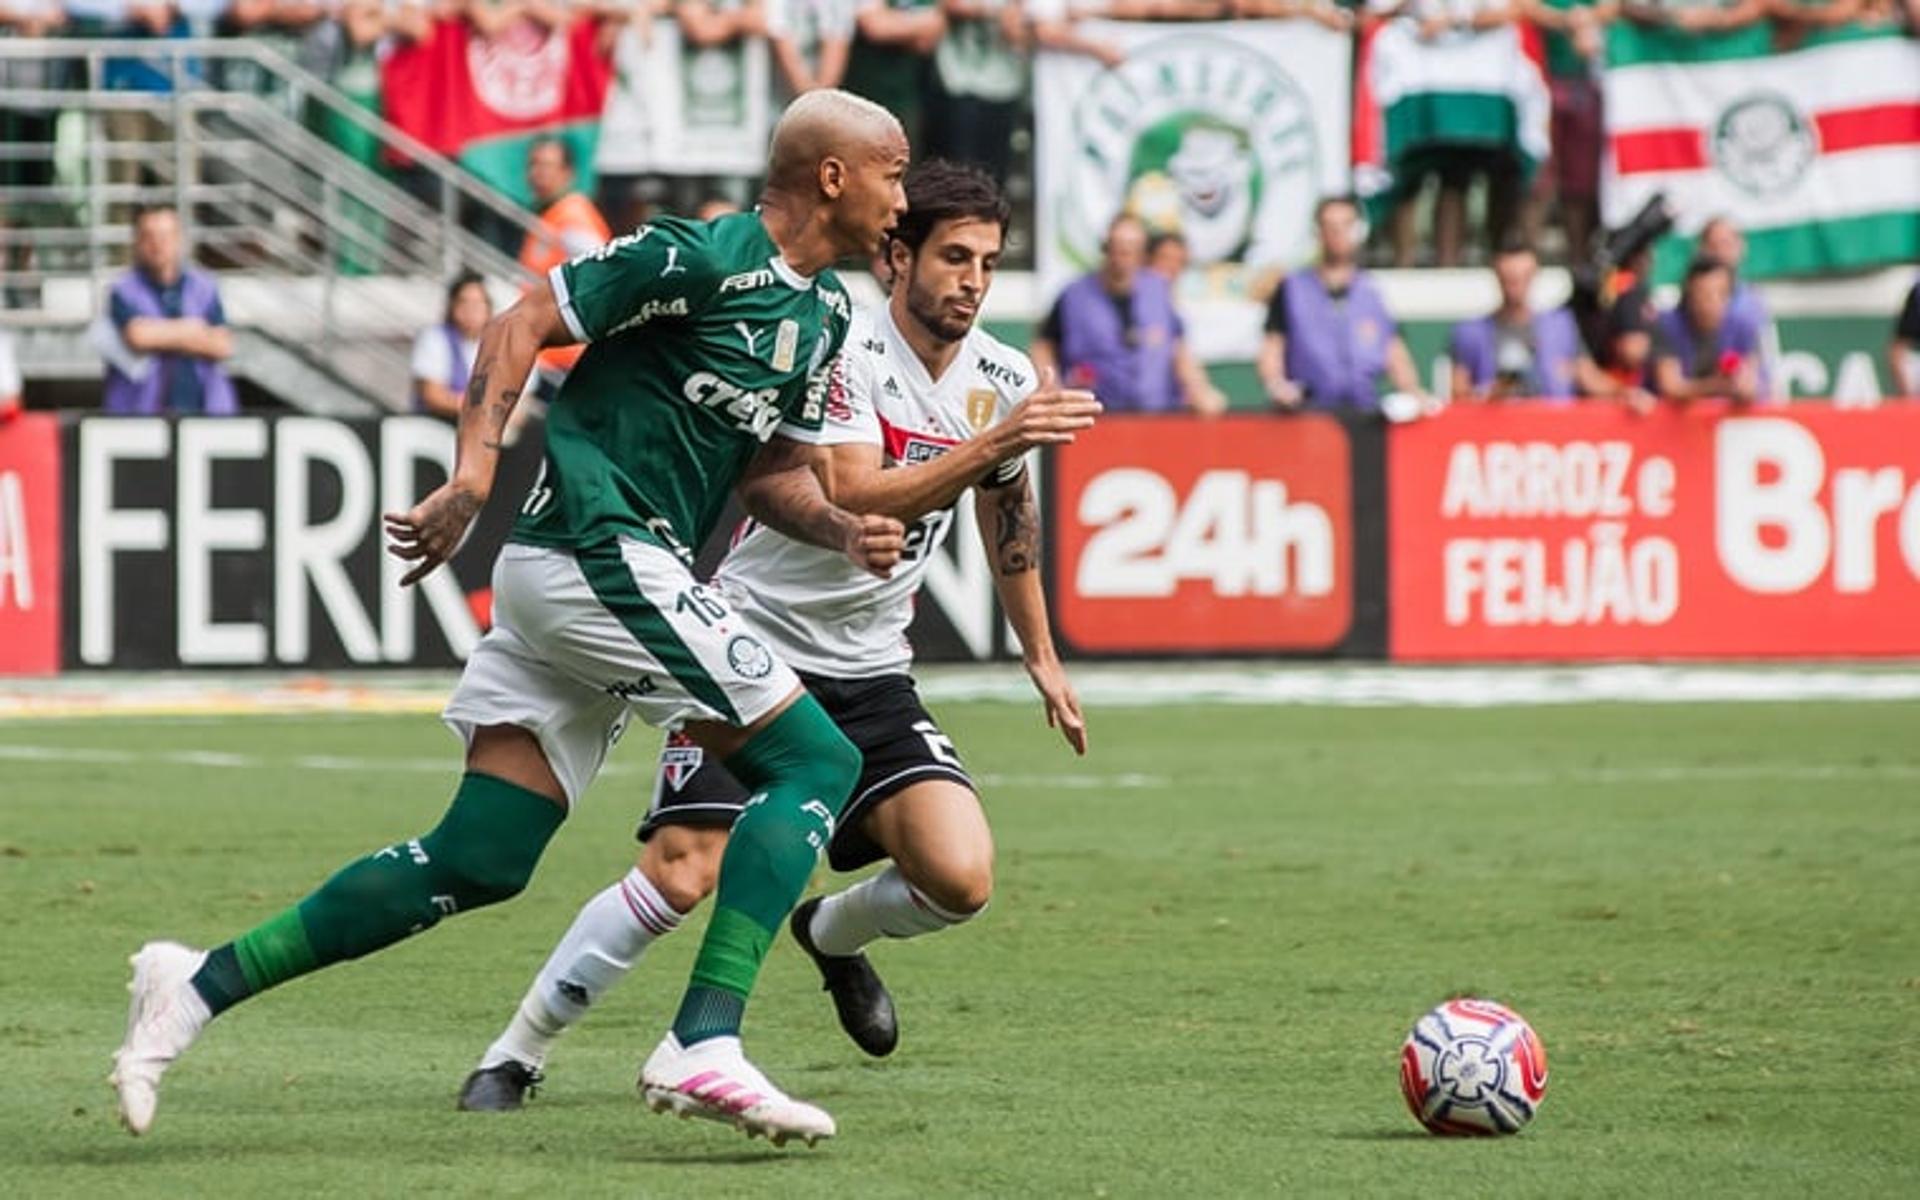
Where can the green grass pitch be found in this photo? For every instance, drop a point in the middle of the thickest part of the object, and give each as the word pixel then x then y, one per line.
pixel 1207 942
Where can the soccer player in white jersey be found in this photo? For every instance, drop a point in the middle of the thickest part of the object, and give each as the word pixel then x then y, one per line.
pixel 925 406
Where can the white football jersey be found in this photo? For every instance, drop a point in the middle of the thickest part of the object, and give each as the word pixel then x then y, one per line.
pixel 823 614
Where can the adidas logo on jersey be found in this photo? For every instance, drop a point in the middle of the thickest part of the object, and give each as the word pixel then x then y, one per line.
pixel 892 386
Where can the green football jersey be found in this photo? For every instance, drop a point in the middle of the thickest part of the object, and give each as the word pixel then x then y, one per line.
pixel 703 343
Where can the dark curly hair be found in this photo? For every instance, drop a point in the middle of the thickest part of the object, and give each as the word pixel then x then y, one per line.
pixel 939 190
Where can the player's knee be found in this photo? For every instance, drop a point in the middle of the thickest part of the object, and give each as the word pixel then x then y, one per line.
pixel 839 764
pixel 802 750
pixel 959 880
pixel 684 864
pixel 829 766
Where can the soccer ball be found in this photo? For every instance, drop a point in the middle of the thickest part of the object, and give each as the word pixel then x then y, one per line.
pixel 1473 1067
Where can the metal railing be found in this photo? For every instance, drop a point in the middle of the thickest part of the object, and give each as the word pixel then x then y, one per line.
pixel 259 193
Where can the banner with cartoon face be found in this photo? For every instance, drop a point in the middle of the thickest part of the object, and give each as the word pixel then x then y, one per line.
pixel 1226 133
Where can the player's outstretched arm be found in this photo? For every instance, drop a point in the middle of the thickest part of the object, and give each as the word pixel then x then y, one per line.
pixel 429 534
pixel 857 479
pixel 782 490
pixel 1010 527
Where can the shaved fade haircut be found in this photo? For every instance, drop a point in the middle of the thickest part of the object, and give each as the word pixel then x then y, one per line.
pixel 821 124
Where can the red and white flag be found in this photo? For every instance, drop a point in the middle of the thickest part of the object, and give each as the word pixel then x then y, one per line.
pixel 1813 151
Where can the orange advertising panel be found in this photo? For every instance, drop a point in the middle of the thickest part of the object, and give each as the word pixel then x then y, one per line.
pixel 1182 534
pixel 30 546
pixel 1589 532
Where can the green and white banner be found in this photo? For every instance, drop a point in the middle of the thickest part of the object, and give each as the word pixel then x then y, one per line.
pixel 1813 151
pixel 1421 99
pixel 1225 132
pixel 679 109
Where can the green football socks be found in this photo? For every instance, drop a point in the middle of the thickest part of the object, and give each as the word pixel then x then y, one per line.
pixel 799 770
pixel 482 852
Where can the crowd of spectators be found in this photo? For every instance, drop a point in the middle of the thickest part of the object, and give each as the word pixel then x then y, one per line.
pixel 956 73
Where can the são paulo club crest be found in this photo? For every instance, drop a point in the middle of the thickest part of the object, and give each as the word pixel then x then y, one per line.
pixel 681 758
pixel 1197 134
pixel 1763 144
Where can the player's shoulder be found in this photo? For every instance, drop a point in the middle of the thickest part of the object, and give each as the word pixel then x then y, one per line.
pixel 1007 370
pixel 863 334
pixel 683 246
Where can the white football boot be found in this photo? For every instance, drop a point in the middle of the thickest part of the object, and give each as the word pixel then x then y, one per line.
pixel 164 1018
pixel 714 1080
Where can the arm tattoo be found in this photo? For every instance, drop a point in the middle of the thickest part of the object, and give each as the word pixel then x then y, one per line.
pixel 497 412
pixel 477 387
pixel 498 415
pixel 1018 543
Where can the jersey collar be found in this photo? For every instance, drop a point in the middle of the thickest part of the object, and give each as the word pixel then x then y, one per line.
pixel 915 369
pixel 788 275
pixel 778 264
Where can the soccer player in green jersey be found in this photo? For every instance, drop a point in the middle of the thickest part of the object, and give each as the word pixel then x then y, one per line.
pixel 709 350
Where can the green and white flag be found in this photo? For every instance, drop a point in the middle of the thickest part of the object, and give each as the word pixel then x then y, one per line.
pixel 1813 152
pixel 1228 132
pixel 679 109
pixel 1420 99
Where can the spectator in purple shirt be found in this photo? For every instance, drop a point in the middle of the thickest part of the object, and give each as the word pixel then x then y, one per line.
pixel 1699 352
pixel 1519 351
pixel 1114 332
pixel 166 332
pixel 1330 342
pixel 1720 238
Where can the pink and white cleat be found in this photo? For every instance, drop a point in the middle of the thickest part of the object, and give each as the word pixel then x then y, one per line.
pixel 163 1019
pixel 713 1079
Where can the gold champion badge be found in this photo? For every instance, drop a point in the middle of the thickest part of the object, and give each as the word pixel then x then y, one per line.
pixel 980 405
pixel 786 344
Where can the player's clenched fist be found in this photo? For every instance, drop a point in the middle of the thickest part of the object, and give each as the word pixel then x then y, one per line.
pixel 875 543
pixel 430 534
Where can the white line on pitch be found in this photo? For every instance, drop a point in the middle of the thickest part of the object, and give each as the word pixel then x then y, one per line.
pixel 1791 772
pixel 91 755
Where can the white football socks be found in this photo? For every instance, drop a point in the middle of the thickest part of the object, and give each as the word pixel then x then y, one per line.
pixel 885 905
pixel 601 946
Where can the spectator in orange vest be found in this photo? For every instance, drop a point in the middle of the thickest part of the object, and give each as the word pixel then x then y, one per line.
pixel 573 226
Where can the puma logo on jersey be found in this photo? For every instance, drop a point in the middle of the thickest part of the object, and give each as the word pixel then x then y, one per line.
pixel 749 335
pixel 673 266
pixel 837 301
